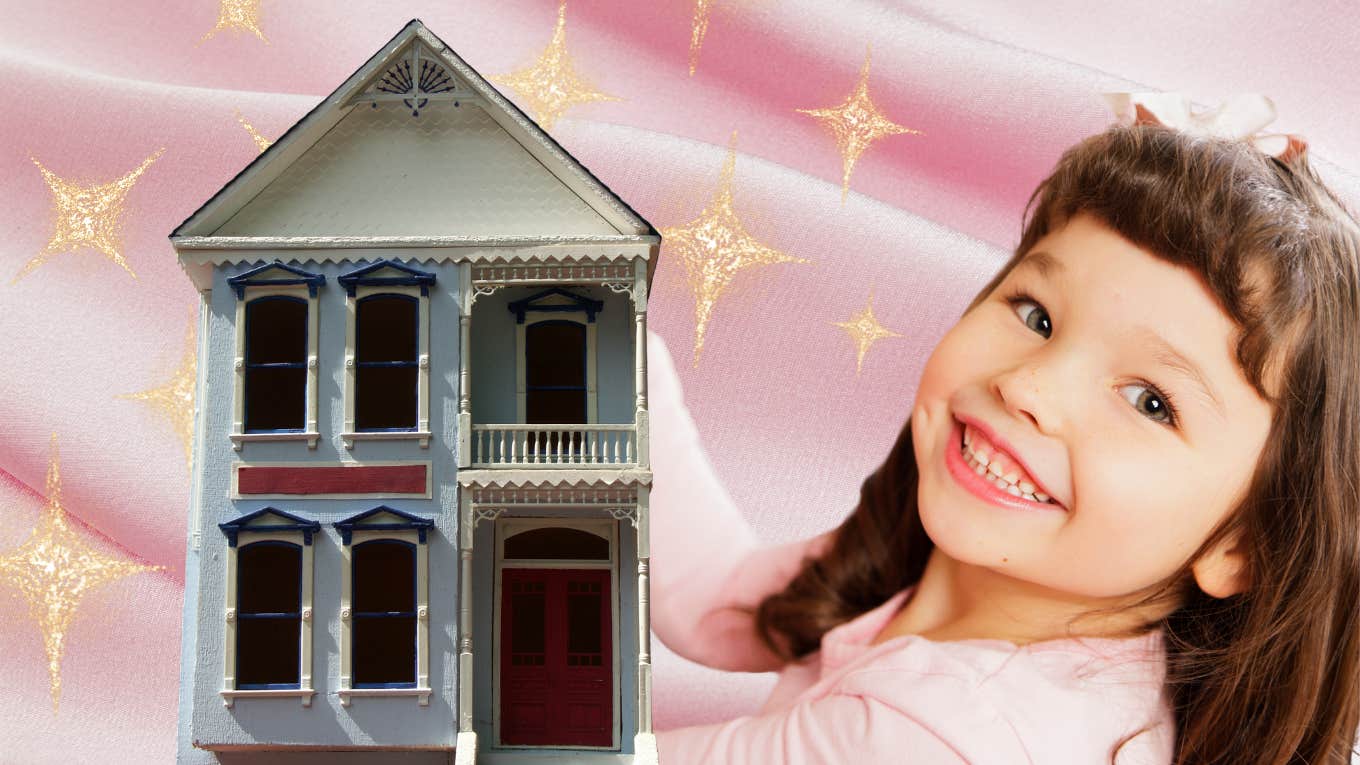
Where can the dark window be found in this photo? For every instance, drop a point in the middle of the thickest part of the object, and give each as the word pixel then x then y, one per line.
pixel 384 583
pixel 386 362
pixel 268 615
pixel 276 364
pixel 557 543
pixel 555 372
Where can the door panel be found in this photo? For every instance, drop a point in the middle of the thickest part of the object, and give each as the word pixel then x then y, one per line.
pixel 556 657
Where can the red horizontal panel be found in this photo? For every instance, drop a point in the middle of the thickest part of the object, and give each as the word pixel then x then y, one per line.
pixel 332 479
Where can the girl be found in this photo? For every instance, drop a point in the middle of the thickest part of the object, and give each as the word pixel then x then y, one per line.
pixel 1121 522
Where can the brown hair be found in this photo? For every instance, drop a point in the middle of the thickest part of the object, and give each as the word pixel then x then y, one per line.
pixel 1270 675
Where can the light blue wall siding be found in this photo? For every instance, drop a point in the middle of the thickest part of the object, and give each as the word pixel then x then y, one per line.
pixel 399 721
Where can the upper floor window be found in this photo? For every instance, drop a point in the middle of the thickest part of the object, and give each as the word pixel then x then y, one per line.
pixel 276 364
pixel 386 360
pixel 276 340
pixel 387 380
pixel 556 354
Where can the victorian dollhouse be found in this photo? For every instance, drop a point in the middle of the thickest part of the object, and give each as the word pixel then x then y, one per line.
pixel 420 488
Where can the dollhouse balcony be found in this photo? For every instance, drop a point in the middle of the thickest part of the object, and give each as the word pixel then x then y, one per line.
pixel 554 446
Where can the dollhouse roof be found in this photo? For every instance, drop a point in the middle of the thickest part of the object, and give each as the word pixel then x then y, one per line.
pixel 414 149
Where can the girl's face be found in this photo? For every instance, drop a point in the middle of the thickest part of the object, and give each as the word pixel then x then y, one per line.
pixel 1078 382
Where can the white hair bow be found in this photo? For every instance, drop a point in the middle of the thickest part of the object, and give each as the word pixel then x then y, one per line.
pixel 1239 118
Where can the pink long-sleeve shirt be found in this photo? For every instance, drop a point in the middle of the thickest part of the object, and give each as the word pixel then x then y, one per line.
pixel 912 700
pixel 906 700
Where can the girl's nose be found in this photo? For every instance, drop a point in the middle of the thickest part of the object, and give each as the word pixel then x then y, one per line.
pixel 1027 393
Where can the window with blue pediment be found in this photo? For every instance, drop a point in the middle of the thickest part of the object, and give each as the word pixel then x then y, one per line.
pixel 267 645
pixel 387 384
pixel 276 341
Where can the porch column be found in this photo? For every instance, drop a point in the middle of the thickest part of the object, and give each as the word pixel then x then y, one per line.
pixel 465 751
pixel 464 366
pixel 644 743
pixel 644 457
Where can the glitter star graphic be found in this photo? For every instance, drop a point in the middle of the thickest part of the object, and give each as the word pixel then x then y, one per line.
pixel 551 85
pixel 864 329
pixel 87 215
pixel 54 568
pixel 175 399
pixel 260 141
pixel 237 16
pixel 856 124
pixel 715 247
pixel 697 32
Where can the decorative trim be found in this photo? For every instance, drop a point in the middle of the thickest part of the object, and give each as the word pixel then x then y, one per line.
pixel 407 522
pixel 291 523
pixel 348 694
pixel 362 277
pixel 252 278
pixel 630 512
pixel 577 304
pixel 302 480
pixel 230 696
pixel 423 436
pixel 237 439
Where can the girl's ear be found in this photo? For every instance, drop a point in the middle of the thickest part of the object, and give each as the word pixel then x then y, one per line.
pixel 1222 570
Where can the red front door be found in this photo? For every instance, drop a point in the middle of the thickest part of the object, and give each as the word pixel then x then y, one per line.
pixel 556 664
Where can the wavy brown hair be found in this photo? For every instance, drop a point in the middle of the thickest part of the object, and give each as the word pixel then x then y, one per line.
pixel 1269 675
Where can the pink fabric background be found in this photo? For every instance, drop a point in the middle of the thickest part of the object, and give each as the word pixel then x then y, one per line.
pixel 790 430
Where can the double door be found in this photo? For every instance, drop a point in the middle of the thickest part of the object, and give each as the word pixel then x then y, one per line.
pixel 556 657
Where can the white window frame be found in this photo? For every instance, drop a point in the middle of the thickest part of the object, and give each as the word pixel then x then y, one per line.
pixel 605 528
pixel 422 431
pixel 304 691
pixel 310 434
pixel 422 690
pixel 522 365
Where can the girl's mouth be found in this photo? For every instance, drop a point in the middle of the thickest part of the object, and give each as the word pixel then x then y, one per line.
pixel 965 468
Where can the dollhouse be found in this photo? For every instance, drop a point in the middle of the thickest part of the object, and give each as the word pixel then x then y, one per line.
pixel 420 476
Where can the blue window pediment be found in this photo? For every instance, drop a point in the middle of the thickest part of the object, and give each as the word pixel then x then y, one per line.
pixel 386 273
pixel 276 274
pixel 266 520
pixel 555 299
pixel 383 518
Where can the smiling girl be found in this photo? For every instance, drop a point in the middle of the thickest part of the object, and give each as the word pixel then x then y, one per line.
pixel 1121 523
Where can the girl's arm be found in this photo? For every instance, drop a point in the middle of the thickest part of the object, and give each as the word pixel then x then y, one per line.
pixel 707 566
pixel 832 730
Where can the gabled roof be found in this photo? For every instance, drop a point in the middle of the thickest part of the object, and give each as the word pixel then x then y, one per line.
pixel 624 224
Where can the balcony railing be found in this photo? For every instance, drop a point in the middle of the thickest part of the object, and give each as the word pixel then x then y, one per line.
pixel 554 446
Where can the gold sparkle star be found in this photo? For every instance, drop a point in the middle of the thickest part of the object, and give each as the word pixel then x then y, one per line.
pixel 87 215
pixel 54 568
pixel 715 247
pixel 260 141
pixel 238 16
pixel 175 399
pixel 551 85
pixel 856 124
pixel 864 329
pixel 697 32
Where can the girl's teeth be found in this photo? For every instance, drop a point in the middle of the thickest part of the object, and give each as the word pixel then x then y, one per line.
pixel 1008 483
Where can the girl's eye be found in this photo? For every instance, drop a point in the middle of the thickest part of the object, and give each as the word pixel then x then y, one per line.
pixel 1155 404
pixel 1037 317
